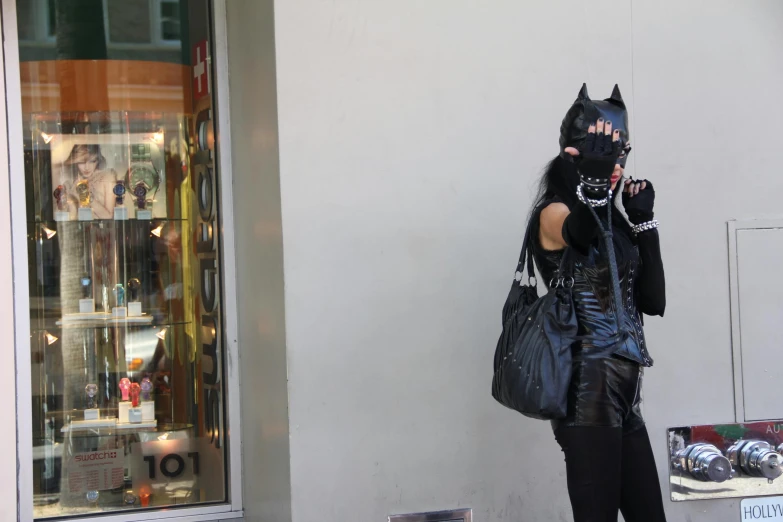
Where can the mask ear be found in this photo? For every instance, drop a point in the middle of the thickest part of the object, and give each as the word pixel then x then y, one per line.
pixel 616 96
pixel 583 93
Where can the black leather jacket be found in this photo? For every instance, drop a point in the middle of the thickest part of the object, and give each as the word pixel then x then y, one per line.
pixel 640 284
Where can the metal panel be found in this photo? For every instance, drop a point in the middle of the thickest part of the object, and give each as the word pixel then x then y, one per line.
pixel 759 257
pixel 8 474
pixel 457 515
pixel 726 460
pixel 24 441
pixel 223 136
pixel 755 253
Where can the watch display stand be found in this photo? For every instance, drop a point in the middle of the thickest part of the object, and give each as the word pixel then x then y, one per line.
pixel 147 411
pixel 134 309
pixel 119 311
pixel 120 213
pixel 86 306
pixel 76 425
pixel 124 411
pixel 145 215
pixel 61 215
pixel 134 415
pixel 85 214
pixel 92 414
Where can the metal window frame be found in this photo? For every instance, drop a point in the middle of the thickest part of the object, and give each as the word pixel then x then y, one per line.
pixel 733 228
pixel 231 509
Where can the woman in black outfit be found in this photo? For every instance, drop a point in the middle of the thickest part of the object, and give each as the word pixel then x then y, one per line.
pixel 609 460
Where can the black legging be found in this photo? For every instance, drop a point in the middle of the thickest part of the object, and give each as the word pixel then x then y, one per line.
pixel 608 471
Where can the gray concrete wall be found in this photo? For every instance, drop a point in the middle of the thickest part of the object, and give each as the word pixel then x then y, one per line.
pixel 411 135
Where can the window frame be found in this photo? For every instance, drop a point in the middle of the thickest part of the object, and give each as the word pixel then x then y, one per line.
pixel 232 508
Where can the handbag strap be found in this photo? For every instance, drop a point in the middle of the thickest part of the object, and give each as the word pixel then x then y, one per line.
pixel 526 259
pixel 526 255
pixel 607 235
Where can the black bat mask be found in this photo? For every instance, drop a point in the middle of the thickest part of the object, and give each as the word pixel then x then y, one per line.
pixel 584 112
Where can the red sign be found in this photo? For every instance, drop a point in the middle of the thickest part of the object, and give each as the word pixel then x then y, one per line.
pixel 200 71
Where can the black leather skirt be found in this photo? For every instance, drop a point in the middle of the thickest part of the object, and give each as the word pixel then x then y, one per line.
pixel 604 391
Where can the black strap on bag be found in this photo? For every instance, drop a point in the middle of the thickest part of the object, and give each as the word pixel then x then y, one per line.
pixel 607 235
pixel 527 252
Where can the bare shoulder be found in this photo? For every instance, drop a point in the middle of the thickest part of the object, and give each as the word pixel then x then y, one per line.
pixel 551 226
pixel 554 212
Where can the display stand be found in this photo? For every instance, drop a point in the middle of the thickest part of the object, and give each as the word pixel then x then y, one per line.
pixel 92 414
pixel 86 306
pixel 85 214
pixel 120 213
pixel 134 309
pixel 134 415
pixel 144 215
pixel 60 216
pixel 124 410
pixel 147 411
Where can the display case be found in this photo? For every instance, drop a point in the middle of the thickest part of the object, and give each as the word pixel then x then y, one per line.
pixel 122 204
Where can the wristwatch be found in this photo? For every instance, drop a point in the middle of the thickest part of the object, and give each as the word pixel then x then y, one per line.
pixel 119 192
pixel 143 177
pixel 83 192
pixel 86 285
pixel 61 197
pixel 91 390
pixel 133 287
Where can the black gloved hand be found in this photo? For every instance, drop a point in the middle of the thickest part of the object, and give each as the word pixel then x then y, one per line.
pixel 639 207
pixel 596 160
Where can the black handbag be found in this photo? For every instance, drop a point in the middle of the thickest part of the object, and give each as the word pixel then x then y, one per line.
pixel 533 355
pixel 533 359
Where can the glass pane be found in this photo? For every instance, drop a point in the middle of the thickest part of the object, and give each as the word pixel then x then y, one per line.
pixel 170 30
pixel 126 30
pixel 169 16
pixel 129 21
pixel 123 249
pixel 52 18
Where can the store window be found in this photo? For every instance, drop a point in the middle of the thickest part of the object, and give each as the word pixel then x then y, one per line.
pixel 124 256
pixel 169 20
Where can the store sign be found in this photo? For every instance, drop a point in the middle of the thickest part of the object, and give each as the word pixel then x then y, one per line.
pixel 95 471
pixel 166 468
pixel 764 508
pixel 209 292
pixel 200 70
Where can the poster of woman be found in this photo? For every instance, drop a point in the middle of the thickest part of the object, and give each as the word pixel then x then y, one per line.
pixel 101 172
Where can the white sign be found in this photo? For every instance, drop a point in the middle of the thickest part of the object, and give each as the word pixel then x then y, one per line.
pixel 95 470
pixel 769 509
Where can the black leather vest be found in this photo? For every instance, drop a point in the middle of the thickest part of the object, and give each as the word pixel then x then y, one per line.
pixel 592 294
